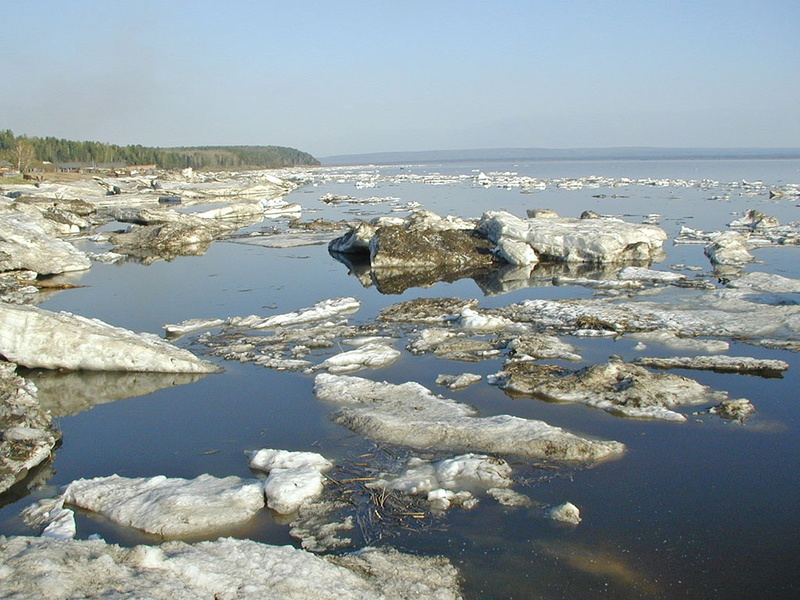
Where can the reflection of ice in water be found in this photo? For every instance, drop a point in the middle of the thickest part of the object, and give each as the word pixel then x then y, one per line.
pixel 600 563
pixel 66 393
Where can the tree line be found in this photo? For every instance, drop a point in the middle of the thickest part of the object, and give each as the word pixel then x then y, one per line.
pixel 61 151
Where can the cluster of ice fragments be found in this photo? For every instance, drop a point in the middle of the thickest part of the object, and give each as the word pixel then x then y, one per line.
pixel 176 507
pixel 448 482
pixel 41 568
pixel 369 177
pixel 27 433
pixel 733 247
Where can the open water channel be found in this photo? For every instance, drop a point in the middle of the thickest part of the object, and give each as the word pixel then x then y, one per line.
pixel 707 508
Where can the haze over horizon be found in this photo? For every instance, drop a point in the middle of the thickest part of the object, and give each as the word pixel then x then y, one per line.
pixel 357 77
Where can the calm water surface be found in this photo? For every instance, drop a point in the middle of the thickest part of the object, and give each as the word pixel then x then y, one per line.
pixel 703 509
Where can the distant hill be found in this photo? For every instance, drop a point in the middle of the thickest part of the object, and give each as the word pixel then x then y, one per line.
pixel 60 151
pixel 542 154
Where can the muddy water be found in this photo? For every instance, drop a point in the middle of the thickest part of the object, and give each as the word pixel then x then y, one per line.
pixel 703 509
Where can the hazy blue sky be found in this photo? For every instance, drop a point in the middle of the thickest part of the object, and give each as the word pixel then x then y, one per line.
pixel 337 77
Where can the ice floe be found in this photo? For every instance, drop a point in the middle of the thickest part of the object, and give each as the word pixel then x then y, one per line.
pixel 36 568
pixel 458 382
pixel 372 355
pixel 409 414
pixel 324 309
pixel 171 507
pixel 566 513
pixel 575 240
pixel 39 338
pixel 720 363
pixel 616 387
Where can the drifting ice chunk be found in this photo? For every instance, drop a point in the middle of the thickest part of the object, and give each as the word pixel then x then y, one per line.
pixel 616 387
pixel 728 248
pixel 724 364
pixel 39 338
pixel 474 321
pixel 457 382
pixel 566 513
pixel 373 356
pixel 642 274
pixel 178 329
pixel 573 240
pixel 324 309
pixel 412 415
pixel 169 507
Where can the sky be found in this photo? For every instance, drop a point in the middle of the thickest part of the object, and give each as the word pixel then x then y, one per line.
pixel 343 77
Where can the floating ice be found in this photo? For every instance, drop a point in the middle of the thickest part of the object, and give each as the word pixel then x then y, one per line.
pixel 724 363
pixel 169 507
pixel 457 382
pixel 554 238
pixel 411 415
pixel 566 513
pixel 39 338
pixel 324 309
pixel 616 387
pixel 372 355
pixel 36 568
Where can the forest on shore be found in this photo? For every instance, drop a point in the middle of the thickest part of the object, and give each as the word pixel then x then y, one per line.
pixel 26 153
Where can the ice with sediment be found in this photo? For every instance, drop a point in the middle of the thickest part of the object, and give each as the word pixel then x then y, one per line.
pixel 412 415
pixel 27 433
pixel 39 568
pixel 450 481
pixel 38 338
pixel 171 507
pixel 616 387
pixel 324 309
pixel 566 513
pixel 538 346
pixel 724 363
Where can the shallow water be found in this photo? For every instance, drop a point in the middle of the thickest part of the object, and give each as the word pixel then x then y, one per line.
pixel 703 509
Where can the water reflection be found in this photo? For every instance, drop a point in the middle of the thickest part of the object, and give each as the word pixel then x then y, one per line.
pixel 491 281
pixel 70 393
